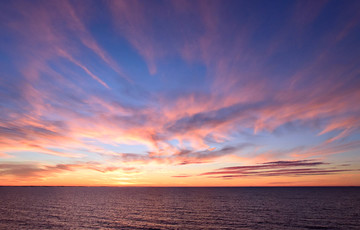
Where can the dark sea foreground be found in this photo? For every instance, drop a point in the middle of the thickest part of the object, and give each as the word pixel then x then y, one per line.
pixel 179 208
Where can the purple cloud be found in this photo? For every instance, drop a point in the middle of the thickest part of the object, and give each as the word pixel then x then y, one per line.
pixel 277 168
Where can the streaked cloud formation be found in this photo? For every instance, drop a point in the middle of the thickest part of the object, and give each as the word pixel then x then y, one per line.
pixel 276 168
pixel 179 88
pixel 33 170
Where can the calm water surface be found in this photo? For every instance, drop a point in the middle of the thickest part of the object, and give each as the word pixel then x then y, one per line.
pixel 179 208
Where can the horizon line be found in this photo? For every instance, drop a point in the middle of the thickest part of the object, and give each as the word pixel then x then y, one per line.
pixel 104 186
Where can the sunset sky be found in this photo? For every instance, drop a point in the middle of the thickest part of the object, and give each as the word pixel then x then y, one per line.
pixel 180 93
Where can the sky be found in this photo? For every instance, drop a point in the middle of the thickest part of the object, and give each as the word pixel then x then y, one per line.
pixel 180 93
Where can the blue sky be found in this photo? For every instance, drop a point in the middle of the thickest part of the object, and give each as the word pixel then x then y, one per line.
pixel 168 93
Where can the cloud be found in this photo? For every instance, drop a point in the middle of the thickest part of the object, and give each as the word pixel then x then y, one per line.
pixel 77 25
pixel 70 58
pixel 277 168
pixel 130 18
pixel 183 156
pixel 31 170
pixel 36 170
pixel 181 176
pixel 328 149
pixel 212 119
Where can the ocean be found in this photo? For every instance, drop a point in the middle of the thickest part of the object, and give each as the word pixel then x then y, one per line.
pixel 179 208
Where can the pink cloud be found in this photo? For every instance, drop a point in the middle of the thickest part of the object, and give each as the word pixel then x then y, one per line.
pixel 32 170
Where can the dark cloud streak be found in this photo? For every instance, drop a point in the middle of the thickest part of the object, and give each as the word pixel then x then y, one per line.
pixel 276 168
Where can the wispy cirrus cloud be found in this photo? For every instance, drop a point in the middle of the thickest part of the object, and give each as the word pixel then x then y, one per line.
pixel 195 116
pixel 74 82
